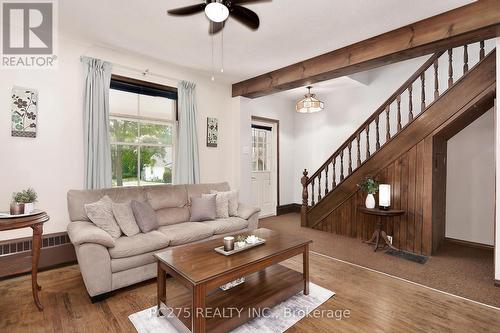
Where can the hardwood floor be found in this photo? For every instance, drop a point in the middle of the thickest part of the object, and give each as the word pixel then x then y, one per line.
pixel 377 303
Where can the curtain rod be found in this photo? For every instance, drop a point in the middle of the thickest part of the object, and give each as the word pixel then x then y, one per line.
pixel 143 72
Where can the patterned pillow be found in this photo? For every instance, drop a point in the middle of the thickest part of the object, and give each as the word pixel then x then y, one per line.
pixel 232 198
pixel 101 214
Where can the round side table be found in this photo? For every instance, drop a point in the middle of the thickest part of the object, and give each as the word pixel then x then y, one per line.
pixel 34 221
pixel 379 233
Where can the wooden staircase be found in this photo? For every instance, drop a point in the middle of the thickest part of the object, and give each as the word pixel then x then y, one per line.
pixel 398 144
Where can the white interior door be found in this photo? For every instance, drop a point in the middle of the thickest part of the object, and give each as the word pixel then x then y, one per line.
pixel 264 167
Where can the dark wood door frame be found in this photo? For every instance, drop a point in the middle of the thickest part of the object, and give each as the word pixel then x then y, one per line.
pixel 277 122
pixel 439 153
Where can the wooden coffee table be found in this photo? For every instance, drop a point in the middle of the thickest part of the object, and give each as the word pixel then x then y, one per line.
pixel 200 306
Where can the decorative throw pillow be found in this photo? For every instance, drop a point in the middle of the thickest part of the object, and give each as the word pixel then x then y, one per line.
pixel 101 214
pixel 203 209
pixel 125 217
pixel 145 216
pixel 221 205
pixel 233 200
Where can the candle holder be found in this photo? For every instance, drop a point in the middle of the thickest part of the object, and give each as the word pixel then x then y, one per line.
pixel 228 243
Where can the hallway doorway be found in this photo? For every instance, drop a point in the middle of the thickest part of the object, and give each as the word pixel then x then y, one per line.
pixel 265 165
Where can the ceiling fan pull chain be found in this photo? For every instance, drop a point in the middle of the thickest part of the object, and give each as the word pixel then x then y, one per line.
pixel 213 67
pixel 222 52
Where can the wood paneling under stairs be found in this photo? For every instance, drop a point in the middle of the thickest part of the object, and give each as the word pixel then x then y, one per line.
pixel 406 175
pixel 408 162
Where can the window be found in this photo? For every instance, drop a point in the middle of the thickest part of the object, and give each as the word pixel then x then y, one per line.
pixel 142 132
pixel 261 148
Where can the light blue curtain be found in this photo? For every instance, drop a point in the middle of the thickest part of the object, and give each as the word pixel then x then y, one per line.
pixel 96 123
pixel 187 170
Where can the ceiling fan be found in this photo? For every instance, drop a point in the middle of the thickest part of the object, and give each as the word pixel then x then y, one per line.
pixel 219 10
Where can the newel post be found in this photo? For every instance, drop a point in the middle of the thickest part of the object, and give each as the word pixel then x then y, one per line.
pixel 305 199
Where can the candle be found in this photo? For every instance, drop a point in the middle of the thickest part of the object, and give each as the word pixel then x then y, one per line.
pixel 228 243
pixel 384 196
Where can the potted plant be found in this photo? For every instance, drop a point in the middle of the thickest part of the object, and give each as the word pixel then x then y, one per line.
pixel 23 202
pixel 369 186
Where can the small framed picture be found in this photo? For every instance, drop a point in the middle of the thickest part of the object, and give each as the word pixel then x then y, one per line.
pixel 212 132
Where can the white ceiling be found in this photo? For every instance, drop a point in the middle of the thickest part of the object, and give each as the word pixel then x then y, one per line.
pixel 290 31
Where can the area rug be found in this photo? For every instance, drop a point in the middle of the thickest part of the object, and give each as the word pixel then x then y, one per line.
pixel 276 320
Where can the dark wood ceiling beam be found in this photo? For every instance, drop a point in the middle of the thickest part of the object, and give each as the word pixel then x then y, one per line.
pixel 471 23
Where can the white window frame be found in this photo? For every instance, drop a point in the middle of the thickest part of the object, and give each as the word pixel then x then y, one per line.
pixel 147 120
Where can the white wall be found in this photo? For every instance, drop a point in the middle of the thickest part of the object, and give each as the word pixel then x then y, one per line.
pixel 274 107
pixel 497 170
pixel 470 192
pixel 52 163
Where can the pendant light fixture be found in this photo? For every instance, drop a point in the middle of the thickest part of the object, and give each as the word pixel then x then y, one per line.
pixel 309 104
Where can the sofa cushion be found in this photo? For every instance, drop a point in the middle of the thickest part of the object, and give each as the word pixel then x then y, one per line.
pixel 145 216
pixel 101 214
pixel 168 216
pixel 196 190
pixel 125 218
pixel 204 208
pixel 139 244
pixel 231 224
pixel 166 196
pixel 186 232
pixel 78 198
pixel 122 264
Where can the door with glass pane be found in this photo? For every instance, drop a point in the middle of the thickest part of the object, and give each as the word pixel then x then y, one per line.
pixel 264 184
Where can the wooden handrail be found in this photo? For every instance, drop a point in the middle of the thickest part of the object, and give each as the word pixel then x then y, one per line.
pixel 371 119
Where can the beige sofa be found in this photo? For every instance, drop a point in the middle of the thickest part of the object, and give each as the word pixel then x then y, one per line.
pixel 108 264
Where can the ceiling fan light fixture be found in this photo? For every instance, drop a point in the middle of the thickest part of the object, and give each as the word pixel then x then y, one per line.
pixel 309 104
pixel 216 11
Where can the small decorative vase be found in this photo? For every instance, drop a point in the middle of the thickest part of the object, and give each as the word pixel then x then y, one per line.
pixel 16 208
pixel 370 201
pixel 29 207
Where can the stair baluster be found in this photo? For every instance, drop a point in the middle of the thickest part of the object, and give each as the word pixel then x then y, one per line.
pixel 436 79
pixel 342 164
pixel 305 199
pixel 377 133
pixel 358 162
pixel 481 50
pixel 398 102
pixel 350 158
pixel 410 102
pixel 367 129
pixel 326 179
pixel 334 176
pixel 319 187
pixel 312 193
pixel 422 80
pixel 387 123
pixel 466 59
pixel 450 67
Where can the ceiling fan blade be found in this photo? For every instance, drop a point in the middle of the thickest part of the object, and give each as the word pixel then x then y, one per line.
pixel 189 10
pixel 245 16
pixel 215 27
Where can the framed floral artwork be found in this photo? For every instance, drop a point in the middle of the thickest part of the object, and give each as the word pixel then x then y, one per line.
pixel 24 110
pixel 212 132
